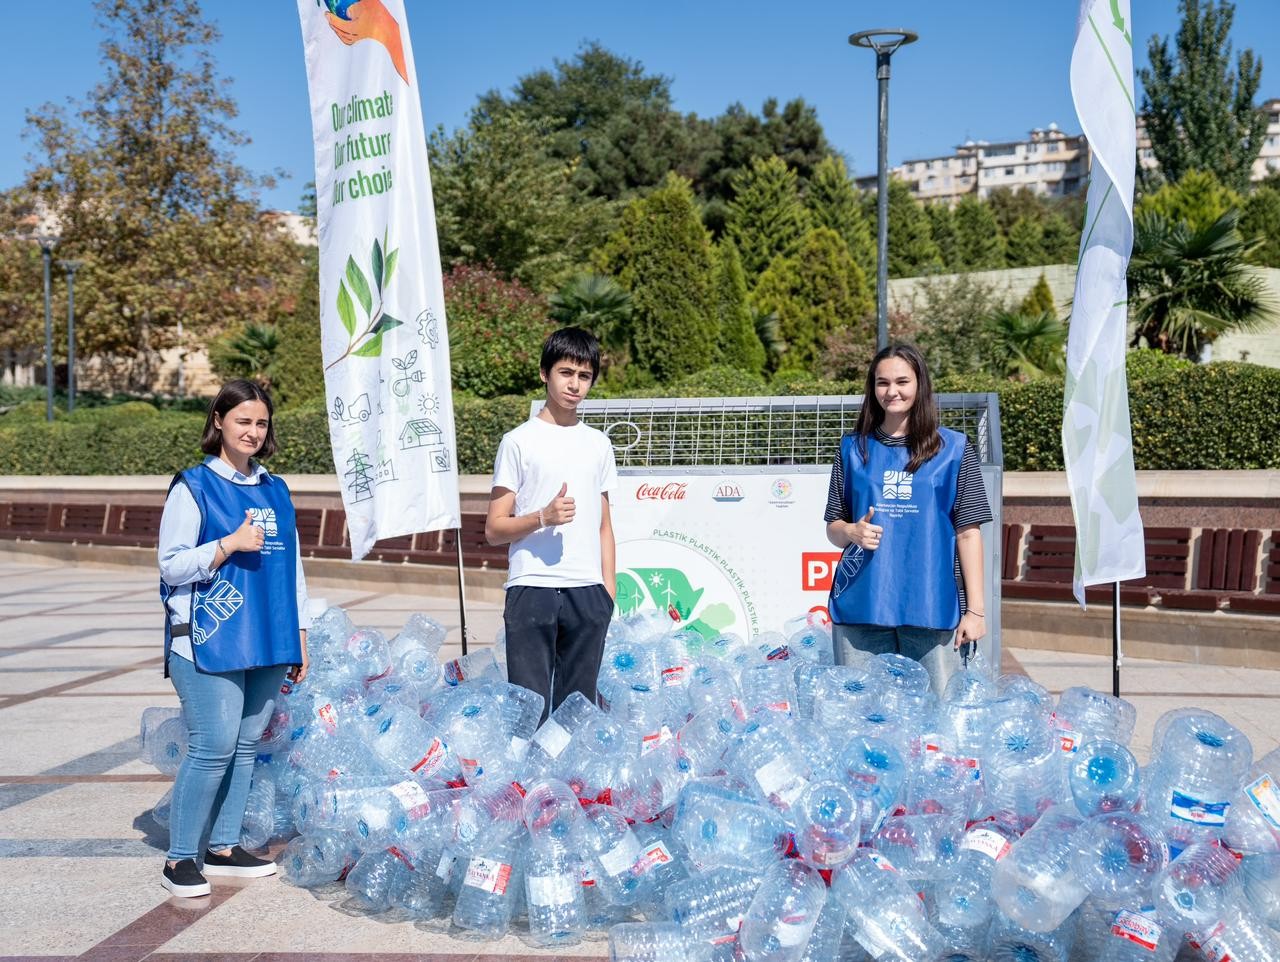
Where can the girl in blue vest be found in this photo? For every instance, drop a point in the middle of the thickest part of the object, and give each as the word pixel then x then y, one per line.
pixel 235 603
pixel 905 503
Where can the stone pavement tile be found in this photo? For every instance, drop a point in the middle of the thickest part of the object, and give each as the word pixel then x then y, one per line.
pixel 49 732
pixel 90 810
pixel 23 683
pixel 57 658
pixel 49 909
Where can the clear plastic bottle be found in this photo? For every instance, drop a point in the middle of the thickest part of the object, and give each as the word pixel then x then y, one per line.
pixel 591 769
pixel 491 812
pixel 258 824
pixel 165 744
pixel 552 815
pixel 720 828
pixel 407 743
pixel 1011 942
pixel 885 912
pixel 372 882
pixel 768 761
pixel 1190 785
pixel 876 773
pixel 944 785
pixel 575 714
pixel 843 693
pixel 783 913
pixel 827 824
pixel 962 906
pixel 1035 884
pixel 1119 855
pixel 480 664
pixel 828 932
pixel 921 847
pixel 1104 777
pixel 490 880
pixel 1083 714
pixel 769 686
pixel 420 632
pixel 652 942
pixel 1199 888
pixel 1261 874
pixel 1023 769
pixel 611 850
pixel 710 907
pixel 369 654
pixel 316 858
pixel 553 890
pixel 1130 933
pixel 1253 820
pixel 704 740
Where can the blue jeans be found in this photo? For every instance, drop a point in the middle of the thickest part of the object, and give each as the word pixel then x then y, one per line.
pixel 929 646
pixel 226 715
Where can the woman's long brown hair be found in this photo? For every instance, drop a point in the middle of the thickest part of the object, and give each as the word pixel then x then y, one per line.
pixel 923 439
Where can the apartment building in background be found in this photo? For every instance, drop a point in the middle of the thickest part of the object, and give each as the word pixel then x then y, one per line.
pixel 1048 162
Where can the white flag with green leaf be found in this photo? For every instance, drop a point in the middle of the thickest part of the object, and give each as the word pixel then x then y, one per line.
pixel 1097 440
pixel 382 324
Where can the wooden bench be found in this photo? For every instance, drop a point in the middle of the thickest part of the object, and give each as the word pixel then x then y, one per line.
pixel 1226 565
pixel 1050 557
pixel 1268 601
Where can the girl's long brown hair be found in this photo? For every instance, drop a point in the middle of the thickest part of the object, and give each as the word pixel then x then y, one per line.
pixel 923 439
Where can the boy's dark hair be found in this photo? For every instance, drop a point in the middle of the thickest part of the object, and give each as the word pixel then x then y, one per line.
pixel 233 394
pixel 572 343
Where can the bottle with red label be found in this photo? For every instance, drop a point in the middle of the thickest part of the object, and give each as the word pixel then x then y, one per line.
pixel 827 824
pixel 885 911
pixel 557 904
pixel 710 907
pixel 317 858
pixel 782 915
pixel 372 882
pixel 1253 820
pixel 960 905
pixel 490 881
pixel 1083 713
pixel 611 849
pixel 769 686
pixel 875 772
pixel 1023 768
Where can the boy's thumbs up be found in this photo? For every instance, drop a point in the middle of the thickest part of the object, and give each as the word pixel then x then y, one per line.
pixel 564 489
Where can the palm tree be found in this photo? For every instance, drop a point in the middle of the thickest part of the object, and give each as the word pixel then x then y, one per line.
pixel 1187 287
pixel 1032 345
pixel 253 352
pixel 598 304
pixel 770 334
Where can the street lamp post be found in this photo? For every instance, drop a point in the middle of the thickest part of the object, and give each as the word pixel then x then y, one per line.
pixel 47 239
pixel 884 41
pixel 71 267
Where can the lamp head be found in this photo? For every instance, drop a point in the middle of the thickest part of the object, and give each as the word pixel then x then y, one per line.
pixel 883 39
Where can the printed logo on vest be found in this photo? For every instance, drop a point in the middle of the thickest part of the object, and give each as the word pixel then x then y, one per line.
pixel 897 486
pixel 265 518
pixel 212 608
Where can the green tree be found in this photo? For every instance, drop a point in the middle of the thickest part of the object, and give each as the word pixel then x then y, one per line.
pixel 299 369
pixel 948 319
pixel 1039 300
pixel 251 351
pixel 1187 287
pixel 739 345
pixel 1197 105
pixel 833 202
pixel 502 201
pixel 942 227
pixel 1025 245
pixel 1029 345
pixel 1198 199
pixel 766 216
pixel 813 292
pixel 496 330
pixel 979 246
pixel 661 253
pixel 605 115
pixel 769 330
pixel 596 303
pixel 912 250
pixel 1009 205
pixel 1060 240
pixel 143 182
pixel 1260 224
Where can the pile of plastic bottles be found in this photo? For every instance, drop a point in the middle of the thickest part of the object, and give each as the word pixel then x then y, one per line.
pixel 727 799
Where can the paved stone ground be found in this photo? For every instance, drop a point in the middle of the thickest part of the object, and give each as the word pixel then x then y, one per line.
pixel 80 858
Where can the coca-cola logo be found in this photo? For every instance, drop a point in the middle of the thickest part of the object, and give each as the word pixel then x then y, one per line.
pixel 671 491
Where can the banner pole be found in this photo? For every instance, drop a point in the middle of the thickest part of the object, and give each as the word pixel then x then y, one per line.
pixel 1115 638
pixel 462 597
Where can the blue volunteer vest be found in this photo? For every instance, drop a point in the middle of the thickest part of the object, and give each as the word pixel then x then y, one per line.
pixel 910 578
pixel 247 615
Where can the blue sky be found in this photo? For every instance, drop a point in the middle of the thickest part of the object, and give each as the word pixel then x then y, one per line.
pixel 991 71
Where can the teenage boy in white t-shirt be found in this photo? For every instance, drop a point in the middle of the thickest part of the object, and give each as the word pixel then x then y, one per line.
pixel 550 503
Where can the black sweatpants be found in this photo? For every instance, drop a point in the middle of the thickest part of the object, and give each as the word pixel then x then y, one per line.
pixel 555 639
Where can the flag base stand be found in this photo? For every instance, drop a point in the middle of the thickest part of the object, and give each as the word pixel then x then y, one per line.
pixel 1115 639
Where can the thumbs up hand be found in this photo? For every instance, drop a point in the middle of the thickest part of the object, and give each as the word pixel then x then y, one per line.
pixel 247 537
pixel 865 534
pixel 561 508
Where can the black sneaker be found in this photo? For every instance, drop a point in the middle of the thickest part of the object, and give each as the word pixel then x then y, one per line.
pixel 184 879
pixel 239 864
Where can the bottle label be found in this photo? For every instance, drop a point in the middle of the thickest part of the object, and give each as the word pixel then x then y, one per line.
pixel 1265 796
pixel 834 855
pixel 784 707
pixel 649 742
pixel 551 889
pixel 1068 737
pixel 930 743
pixel 552 737
pixel 657 854
pixel 401 856
pixel 444 870
pixel 732 924
pixel 674 675
pixel 433 759
pixel 622 856
pixel 793 931
pixel 880 862
pixel 329 717
pixel 471 768
pixel 991 844
pixel 488 875
pixel 1138 928
pixel 1196 810
pixel 412 797
pixel 775 775
pixel 1214 948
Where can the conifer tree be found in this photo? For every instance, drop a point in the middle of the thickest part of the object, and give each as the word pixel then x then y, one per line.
pixel 739 346
pixel 1260 223
pixel 979 246
pixel 1061 241
pixel 661 254
pixel 833 201
pixel 766 216
pixel 1039 300
pixel 942 225
pixel 912 250
pixel 1025 247
pixel 813 292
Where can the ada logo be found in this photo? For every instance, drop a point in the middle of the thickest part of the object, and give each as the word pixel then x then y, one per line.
pixel 897 486
pixel 727 491
pixel 671 491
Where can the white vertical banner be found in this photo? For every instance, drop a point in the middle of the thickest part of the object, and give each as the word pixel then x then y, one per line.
pixel 1097 439
pixel 382 321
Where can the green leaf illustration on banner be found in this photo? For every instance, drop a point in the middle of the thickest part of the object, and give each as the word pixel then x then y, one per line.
pixel 712 621
pixel 346 310
pixel 630 593
pixel 353 289
pixel 670 590
pixel 359 285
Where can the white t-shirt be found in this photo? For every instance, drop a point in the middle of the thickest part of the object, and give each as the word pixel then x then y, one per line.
pixel 534 460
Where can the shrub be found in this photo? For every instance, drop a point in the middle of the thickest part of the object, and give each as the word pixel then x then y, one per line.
pixel 496 330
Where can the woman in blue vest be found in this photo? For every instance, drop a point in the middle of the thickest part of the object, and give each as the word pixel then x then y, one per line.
pixel 905 503
pixel 235 600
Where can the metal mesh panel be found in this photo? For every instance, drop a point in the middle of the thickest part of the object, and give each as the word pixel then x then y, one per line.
pixel 760 432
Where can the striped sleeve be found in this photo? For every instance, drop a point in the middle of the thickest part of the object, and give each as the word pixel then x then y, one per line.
pixel 971 505
pixel 837 510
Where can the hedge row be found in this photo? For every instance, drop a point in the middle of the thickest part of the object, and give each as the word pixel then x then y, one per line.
pixel 1185 416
